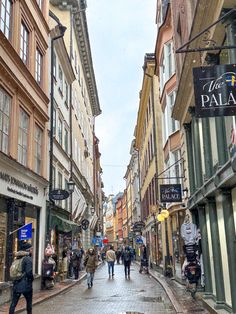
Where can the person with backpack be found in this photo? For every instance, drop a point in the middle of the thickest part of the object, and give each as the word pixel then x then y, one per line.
pixel 127 256
pixel 21 272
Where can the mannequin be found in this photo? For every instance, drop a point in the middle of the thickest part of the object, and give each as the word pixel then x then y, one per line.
pixel 188 231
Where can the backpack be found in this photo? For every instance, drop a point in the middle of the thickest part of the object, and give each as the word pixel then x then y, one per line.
pixel 16 269
pixel 127 256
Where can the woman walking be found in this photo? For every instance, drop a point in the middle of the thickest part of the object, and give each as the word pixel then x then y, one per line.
pixel 90 262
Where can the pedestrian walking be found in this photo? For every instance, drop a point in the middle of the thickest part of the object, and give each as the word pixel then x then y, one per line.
pixel 127 257
pixel 21 272
pixel 118 255
pixel 76 260
pixel 90 262
pixel 111 257
pixel 144 260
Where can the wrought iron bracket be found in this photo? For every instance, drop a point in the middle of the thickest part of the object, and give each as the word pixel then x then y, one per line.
pixel 182 50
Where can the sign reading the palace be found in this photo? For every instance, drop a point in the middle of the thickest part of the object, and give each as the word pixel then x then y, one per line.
pixel 58 195
pixel 170 193
pixel 215 90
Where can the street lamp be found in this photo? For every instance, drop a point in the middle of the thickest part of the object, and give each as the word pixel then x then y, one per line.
pixel 71 186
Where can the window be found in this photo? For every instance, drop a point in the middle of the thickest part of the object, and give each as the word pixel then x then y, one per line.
pixel 59 180
pixel 5 102
pixel 60 79
pixel 177 166
pixel 66 94
pixel 5 17
pixel 60 131
pixel 66 200
pixel 66 140
pixel 38 66
pixel 40 4
pixel 24 44
pixel 162 73
pixel 169 60
pixel 23 137
pixel 38 135
pixel 54 65
pixel 53 177
pixel 54 121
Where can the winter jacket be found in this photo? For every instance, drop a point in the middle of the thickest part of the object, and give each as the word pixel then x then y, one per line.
pixel 90 262
pixel 189 233
pixel 110 256
pixel 25 283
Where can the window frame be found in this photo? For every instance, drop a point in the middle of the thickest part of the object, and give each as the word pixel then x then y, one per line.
pixel 4 116
pixel 38 157
pixel 24 148
pixel 38 66
pixel 6 13
pixel 24 53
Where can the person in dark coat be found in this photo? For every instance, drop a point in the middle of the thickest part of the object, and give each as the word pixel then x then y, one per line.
pixel 24 284
pixel 76 260
pixel 127 256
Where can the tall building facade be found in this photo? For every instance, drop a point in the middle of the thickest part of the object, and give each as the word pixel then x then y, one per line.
pixel 209 144
pixel 23 127
pixel 148 131
pixel 84 107
pixel 171 135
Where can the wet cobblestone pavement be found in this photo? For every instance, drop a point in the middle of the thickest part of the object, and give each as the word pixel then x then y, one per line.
pixel 140 294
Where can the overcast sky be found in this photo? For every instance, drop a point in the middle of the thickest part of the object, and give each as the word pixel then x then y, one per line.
pixel 121 32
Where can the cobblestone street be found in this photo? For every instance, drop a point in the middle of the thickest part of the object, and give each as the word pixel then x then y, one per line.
pixel 141 294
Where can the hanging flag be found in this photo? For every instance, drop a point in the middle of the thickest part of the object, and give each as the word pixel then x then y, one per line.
pixel 25 232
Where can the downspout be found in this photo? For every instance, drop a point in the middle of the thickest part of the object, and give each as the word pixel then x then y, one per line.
pixel 70 113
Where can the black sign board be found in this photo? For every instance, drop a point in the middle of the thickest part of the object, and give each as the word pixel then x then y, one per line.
pixel 85 224
pixel 215 90
pixel 170 193
pixel 58 195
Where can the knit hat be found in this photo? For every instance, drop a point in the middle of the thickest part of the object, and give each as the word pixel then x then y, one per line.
pixel 25 246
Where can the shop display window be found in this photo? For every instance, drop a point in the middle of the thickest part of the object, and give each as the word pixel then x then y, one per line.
pixel 3 232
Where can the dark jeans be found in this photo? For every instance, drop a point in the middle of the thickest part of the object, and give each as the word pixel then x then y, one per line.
pixel 127 268
pixel 110 268
pixel 76 272
pixel 15 298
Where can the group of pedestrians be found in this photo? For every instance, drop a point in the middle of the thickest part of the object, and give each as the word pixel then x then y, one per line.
pixel 126 254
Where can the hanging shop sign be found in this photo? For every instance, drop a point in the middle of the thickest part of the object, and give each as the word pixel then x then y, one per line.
pixel 170 193
pixel 215 90
pixel 58 195
pixel 139 225
pixel 85 224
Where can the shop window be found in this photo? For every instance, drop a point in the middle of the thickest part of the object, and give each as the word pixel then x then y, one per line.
pixel 3 232
pixel 23 134
pixel 5 22
pixel 38 66
pixel 24 44
pixel 38 149
pixel 5 103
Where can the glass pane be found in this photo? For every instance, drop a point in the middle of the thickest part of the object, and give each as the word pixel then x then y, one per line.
pixel 5 143
pixel 5 124
pixel 19 153
pixel 1 118
pixel 20 139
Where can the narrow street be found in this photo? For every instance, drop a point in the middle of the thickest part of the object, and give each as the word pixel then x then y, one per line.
pixel 141 294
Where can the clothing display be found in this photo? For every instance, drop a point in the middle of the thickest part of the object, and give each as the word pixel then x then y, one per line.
pixel 189 233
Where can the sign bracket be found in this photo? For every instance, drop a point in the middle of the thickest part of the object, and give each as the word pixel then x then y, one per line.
pixel 182 50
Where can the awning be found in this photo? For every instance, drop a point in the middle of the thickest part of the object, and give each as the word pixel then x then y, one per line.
pixel 64 225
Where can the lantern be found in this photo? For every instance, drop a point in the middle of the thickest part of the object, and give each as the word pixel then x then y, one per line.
pixel 165 213
pixel 160 217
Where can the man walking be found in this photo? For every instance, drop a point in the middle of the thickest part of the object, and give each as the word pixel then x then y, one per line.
pixel 111 257
pixel 127 261
pixel 21 272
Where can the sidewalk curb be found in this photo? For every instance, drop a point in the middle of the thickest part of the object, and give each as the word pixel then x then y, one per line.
pixel 168 291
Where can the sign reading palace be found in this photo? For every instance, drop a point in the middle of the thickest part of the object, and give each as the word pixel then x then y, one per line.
pixel 215 90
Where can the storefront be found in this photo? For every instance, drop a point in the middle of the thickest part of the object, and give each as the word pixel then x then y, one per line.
pixel 22 201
